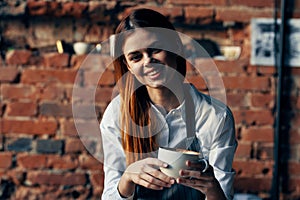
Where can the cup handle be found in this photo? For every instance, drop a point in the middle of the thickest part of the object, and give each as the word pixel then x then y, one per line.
pixel 205 164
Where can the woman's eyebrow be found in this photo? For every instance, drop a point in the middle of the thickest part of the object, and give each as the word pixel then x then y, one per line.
pixel 155 44
pixel 133 52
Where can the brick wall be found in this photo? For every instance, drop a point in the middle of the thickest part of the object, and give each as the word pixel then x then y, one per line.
pixel 41 155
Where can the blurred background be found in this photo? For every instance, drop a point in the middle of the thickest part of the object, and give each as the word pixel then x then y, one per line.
pixel 41 154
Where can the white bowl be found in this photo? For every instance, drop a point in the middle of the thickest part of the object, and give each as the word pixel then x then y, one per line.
pixel 231 52
pixel 81 48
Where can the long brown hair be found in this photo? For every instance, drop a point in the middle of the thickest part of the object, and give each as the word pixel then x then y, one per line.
pixel 135 101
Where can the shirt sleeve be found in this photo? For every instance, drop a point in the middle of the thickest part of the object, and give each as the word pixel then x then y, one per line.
pixel 114 157
pixel 222 152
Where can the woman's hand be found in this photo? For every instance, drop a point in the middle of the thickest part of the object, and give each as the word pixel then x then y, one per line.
pixel 145 173
pixel 205 182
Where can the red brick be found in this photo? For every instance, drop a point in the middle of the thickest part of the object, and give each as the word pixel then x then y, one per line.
pixel 86 111
pixel 48 178
pixel 243 151
pixel 252 185
pixel 252 168
pixel 198 2
pixel 88 130
pixel 1 111
pixel 263 100
pixel 266 70
pixel 3 173
pixel 237 100
pixel 6 160
pixel 241 14
pixel 57 110
pixel 8 74
pixel 245 83
pixel 197 81
pixel 294 137
pixel 107 78
pixel 198 12
pixel 84 127
pixel 295 120
pixel 98 33
pixel 17 176
pixel 257 117
pixel 97 9
pixel 21 92
pixel 264 151
pixel 37 192
pixel 73 145
pixel 44 8
pixel 16 92
pixel 104 94
pixel 68 128
pixel 37 7
pixel 232 66
pixel 294 185
pixel 298 103
pixel 172 12
pixel 254 3
pixel 97 180
pixel 78 60
pixel 1 136
pixel 258 134
pixel 204 66
pixel 32 76
pixel 92 62
pixel 252 70
pixel 76 9
pixel 18 57
pixel 32 127
pixel 89 162
pixel 31 161
pixel 295 71
pixel 294 152
pixel 65 162
pixel 294 168
pixel 21 109
pixel 56 60
pixel 49 93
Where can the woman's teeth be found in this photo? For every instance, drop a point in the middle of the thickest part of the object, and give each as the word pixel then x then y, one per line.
pixel 153 72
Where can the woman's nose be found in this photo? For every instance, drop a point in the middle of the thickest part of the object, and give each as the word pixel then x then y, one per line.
pixel 147 59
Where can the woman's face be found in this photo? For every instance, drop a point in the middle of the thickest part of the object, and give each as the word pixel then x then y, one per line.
pixel 147 60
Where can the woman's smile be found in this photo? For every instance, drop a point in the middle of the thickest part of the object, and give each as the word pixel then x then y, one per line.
pixel 154 73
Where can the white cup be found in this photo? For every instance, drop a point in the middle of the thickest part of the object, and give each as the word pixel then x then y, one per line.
pixel 176 159
pixel 81 48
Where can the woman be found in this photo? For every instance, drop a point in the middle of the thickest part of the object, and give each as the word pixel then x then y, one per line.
pixel 156 108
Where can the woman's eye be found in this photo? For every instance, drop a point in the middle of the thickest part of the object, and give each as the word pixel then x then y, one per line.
pixel 135 58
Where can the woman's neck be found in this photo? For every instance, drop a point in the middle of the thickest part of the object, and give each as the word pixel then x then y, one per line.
pixel 169 98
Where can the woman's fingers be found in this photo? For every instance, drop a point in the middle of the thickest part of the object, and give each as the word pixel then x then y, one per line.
pixel 149 185
pixel 156 162
pixel 157 177
pixel 196 174
pixel 146 173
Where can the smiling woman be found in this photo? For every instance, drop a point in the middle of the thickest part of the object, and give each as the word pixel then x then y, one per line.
pixel 155 109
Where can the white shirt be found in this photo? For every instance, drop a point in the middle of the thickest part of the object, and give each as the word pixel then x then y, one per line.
pixel 214 128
